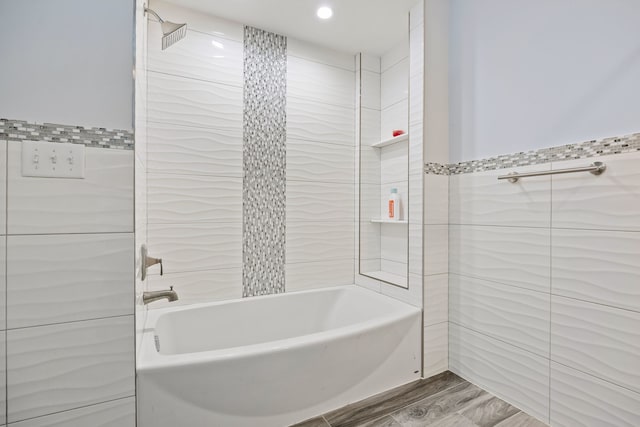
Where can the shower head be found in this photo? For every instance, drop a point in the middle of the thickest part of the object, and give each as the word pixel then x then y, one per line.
pixel 171 32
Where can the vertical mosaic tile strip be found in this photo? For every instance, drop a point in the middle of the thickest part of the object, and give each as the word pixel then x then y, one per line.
pixel 20 130
pixel 581 150
pixel 264 163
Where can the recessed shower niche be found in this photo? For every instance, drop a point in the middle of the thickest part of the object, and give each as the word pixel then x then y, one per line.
pixel 384 164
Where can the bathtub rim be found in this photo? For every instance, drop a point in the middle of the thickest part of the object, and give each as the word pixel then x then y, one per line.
pixel 149 360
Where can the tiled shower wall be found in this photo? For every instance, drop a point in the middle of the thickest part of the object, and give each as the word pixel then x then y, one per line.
pixel 544 299
pixel 195 161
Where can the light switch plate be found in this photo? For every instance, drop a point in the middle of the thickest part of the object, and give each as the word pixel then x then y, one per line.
pixel 52 159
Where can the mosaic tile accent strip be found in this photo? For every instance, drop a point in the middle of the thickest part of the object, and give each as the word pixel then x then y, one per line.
pixel 91 137
pixel 264 163
pixel 581 150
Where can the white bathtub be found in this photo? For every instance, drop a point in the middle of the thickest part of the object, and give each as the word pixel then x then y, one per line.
pixel 273 360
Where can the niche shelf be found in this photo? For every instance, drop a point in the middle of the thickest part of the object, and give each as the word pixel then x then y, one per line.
pixel 395 140
pixel 390 221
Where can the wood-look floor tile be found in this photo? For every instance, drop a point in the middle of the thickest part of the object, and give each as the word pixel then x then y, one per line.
pixel 521 420
pixel 455 420
pixel 385 403
pixel 314 422
pixel 438 406
pixel 381 422
pixel 489 412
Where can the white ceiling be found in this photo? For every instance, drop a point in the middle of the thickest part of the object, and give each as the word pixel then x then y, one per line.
pixel 372 26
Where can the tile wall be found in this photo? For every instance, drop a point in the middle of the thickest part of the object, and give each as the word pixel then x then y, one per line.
pixel 195 170
pixel 68 317
pixel 544 304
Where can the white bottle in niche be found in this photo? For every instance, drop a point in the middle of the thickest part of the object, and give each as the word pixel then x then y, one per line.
pixel 394 205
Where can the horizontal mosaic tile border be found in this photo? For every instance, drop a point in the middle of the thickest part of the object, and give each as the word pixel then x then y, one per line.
pixel 91 137
pixel 581 150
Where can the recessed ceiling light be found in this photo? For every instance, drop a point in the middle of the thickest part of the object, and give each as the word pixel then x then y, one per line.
pixel 325 12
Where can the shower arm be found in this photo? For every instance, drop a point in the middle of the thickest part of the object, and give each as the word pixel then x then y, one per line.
pixel 147 10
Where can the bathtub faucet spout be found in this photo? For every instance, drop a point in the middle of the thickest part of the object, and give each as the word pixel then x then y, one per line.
pixel 152 296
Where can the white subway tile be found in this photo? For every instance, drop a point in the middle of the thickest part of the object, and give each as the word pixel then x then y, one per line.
pixel 597 339
pixel 511 255
pixel 578 399
pixel 597 266
pixel 196 246
pixel 514 315
pixel 116 413
pixel 60 367
pixel 436 349
pixel 609 201
pixel 187 150
pixel 193 198
pixel 101 202
pixel 515 375
pixel 182 101
pixel 64 278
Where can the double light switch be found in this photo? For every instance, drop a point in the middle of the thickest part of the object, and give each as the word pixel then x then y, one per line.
pixel 52 159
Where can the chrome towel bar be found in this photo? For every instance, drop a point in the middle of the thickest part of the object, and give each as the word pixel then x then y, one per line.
pixel 595 168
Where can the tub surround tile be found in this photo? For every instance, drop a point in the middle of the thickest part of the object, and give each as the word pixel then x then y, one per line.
pixel 320 83
pixel 314 161
pixel 436 349
pixel 191 198
pixel 185 150
pixel 200 56
pixel 195 103
pixel 3 187
pixel 310 120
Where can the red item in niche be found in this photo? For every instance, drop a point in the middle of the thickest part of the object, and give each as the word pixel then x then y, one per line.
pixel 398 132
